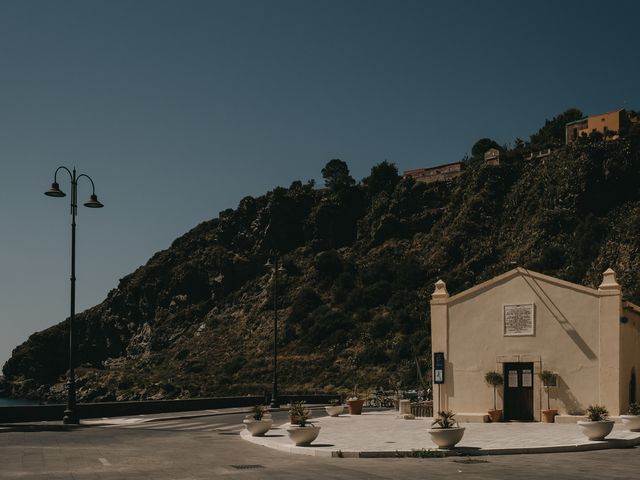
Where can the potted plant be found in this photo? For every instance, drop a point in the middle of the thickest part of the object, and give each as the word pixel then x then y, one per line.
pixel 632 419
pixel 304 432
pixel 494 379
pixel 597 425
pixel 259 421
pixel 334 408
pixel 548 380
pixel 355 403
pixel 448 432
pixel 294 419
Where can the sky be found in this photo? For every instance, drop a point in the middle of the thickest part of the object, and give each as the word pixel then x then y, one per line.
pixel 179 109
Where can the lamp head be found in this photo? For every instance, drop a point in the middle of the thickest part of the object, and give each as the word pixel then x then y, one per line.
pixel 55 191
pixel 93 202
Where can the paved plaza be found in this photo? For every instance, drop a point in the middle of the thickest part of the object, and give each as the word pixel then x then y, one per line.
pixel 383 434
pixel 207 445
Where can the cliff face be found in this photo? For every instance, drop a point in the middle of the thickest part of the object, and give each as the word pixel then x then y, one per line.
pixel 360 262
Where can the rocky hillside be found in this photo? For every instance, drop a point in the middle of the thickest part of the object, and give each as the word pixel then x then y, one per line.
pixel 359 264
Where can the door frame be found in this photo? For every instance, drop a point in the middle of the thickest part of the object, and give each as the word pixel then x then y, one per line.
pixel 520 405
pixel 537 384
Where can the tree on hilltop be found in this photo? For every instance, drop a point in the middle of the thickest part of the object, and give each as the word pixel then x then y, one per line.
pixel 482 145
pixel 336 175
pixel 553 132
pixel 384 177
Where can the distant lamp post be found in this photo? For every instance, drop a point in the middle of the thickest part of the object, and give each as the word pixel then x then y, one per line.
pixel 274 383
pixel 70 414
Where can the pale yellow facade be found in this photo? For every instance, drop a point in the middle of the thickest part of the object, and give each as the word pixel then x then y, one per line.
pixel 589 337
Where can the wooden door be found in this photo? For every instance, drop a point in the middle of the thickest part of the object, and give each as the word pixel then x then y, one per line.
pixel 518 392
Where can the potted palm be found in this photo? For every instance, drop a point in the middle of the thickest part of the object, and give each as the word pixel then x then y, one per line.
pixel 334 408
pixel 259 421
pixel 448 432
pixel 598 424
pixel 632 419
pixel 494 379
pixel 294 409
pixel 548 380
pixel 303 432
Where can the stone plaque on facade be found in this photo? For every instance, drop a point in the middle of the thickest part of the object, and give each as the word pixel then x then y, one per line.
pixel 519 320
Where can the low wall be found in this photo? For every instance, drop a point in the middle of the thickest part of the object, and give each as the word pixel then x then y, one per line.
pixel 38 413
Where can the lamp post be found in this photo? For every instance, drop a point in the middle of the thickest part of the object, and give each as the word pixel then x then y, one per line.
pixel 70 414
pixel 274 383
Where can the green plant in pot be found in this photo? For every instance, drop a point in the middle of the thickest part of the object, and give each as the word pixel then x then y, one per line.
pixel 598 424
pixel 632 419
pixel 548 379
pixel 298 412
pixel 259 421
pixel 334 408
pixel 494 379
pixel 303 432
pixel 445 431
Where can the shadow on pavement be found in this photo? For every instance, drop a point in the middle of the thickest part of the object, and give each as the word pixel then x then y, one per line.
pixel 12 427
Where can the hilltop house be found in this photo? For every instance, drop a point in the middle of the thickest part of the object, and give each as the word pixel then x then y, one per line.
pixel 439 173
pixel 611 125
pixel 492 156
pixel 523 322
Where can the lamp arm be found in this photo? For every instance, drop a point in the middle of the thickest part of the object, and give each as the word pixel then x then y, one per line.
pixel 93 187
pixel 55 175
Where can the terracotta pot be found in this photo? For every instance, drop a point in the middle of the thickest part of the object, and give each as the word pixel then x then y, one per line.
pixel 355 406
pixel 495 416
pixel 548 416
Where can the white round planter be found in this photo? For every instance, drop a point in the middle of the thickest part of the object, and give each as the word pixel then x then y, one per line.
pixel 303 435
pixel 334 410
pixel 632 422
pixel 446 437
pixel 257 427
pixel 596 430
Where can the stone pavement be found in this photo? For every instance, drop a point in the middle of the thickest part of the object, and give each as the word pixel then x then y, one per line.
pixel 385 435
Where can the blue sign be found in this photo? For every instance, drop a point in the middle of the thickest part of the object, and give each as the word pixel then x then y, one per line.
pixel 438 367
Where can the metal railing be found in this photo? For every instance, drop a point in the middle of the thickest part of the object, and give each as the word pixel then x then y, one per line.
pixel 422 409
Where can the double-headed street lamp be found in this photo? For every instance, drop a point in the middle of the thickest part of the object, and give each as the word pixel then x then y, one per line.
pixel 274 385
pixel 70 414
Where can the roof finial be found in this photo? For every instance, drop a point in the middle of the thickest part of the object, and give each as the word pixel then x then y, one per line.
pixel 440 291
pixel 609 280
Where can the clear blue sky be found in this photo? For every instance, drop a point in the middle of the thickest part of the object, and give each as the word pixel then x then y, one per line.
pixel 178 109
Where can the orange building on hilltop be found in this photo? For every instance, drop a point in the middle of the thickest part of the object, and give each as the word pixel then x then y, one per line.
pixel 610 124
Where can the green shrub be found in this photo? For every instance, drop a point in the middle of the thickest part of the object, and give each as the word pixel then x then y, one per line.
pixel 374 355
pixel 306 302
pixel 195 366
pixel 328 264
pixel 233 365
pixel 342 286
pixel 381 326
pixel 327 327
pixel 597 413
pixel 634 408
